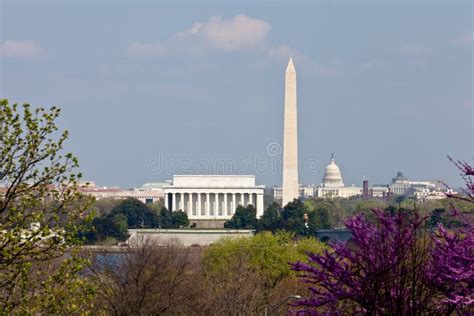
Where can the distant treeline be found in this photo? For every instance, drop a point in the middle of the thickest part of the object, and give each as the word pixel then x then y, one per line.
pixel 303 218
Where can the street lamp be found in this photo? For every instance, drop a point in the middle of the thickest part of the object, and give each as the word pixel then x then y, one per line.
pixel 272 308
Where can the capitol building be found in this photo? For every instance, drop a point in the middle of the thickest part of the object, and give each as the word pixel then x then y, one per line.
pixel 331 187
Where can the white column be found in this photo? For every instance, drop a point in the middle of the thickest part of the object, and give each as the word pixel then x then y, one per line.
pixel 216 204
pixel 259 205
pixel 225 210
pixel 234 205
pixel 166 201
pixel 173 204
pixel 190 204
pixel 251 199
pixel 199 205
pixel 181 203
pixel 208 204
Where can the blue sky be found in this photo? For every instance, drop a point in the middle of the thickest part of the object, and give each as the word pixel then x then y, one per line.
pixel 151 89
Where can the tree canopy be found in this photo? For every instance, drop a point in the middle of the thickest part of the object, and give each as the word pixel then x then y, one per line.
pixel 137 213
pixel 266 253
pixel 41 214
pixel 243 218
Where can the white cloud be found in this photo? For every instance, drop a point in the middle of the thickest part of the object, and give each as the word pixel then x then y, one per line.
pixel 20 49
pixel 238 33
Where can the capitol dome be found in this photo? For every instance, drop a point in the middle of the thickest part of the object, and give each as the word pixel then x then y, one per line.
pixel 332 175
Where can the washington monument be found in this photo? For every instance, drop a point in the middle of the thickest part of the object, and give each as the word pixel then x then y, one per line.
pixel 290 138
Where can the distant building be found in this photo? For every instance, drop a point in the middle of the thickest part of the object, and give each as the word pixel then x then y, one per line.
pixel 419 190
pixel 427 193
pixel 333 186
pixel 90 188
pixel 303 191
pixel 213 197
pixel 378 191
pixel 148 193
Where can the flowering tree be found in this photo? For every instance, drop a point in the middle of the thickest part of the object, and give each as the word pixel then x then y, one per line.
pixel 450 269
pixel 41 211
pixel 393 266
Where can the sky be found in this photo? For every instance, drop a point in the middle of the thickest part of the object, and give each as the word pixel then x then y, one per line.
pixel 152 89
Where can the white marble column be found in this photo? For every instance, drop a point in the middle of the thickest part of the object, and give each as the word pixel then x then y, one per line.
pixel 199 205
pixel 259 205
pixel 190 204
pixel 225 210
pixel 216 204
pixel 251 199
pixel 173 202
pixel 166 201
pixel 234 204
pixel 181 203
pixel 208 204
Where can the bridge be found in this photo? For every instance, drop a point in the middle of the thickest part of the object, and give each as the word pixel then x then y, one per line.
pixel 333 234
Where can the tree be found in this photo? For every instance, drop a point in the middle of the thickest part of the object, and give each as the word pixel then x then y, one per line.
pixel 247 273
pixel 378 273
pixel 104 228
pixel 41 213
pixel 319 219
pixel 293 215
pixel 179 219
pixel 318 213
pixel 169 219
pixel 149 279
pixel 137 213
pixel 103 207
pixel 271 219
pixel 449 269
pixel 395 266
pixel 157 206
pixel 244 217
pixel 166 218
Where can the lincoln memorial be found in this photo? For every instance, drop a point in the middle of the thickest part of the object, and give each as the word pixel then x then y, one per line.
pixel 213 197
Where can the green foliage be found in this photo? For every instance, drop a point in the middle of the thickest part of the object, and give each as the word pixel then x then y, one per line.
pixel 337 210
pixel 266 253
pixel 156 206
pixel 460 205
pixel 175 219
pixel 179 219
pixel 132 213
pixel 244 217
pixel 365 207
pixel 271 219
pixel 440 216
pixel 166 218
pixel 318 215
pixel 41 213
pixel 137 213
pixel 105 227
pixel 293 215
pixel 103 207
pixel 292 218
